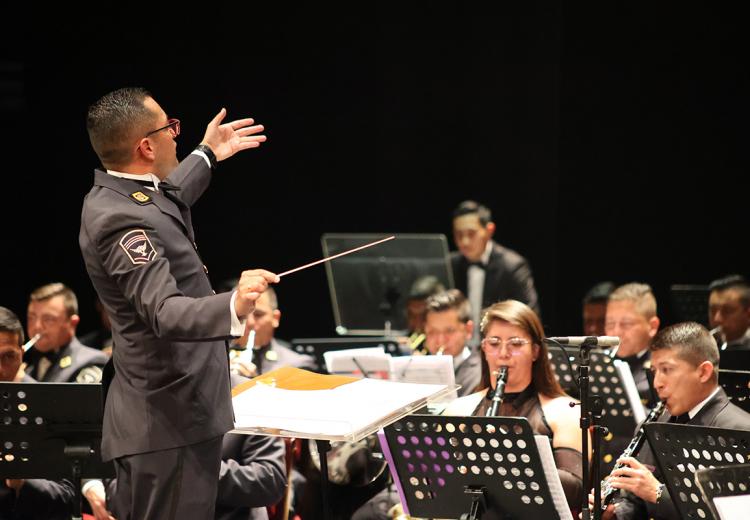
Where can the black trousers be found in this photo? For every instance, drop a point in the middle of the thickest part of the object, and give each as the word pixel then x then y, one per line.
pixel 169 484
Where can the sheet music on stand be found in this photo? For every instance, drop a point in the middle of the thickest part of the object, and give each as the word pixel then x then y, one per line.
pixel 681 450
pixel 359 362
pixel 435 370
pixel 317 347
pixel 443 465
pixel 726 490
pixel 612 380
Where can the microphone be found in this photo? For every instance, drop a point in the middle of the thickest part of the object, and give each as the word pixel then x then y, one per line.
pixel 586 341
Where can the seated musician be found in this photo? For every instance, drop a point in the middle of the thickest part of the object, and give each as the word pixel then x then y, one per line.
pixel 685 362
pixel 512 336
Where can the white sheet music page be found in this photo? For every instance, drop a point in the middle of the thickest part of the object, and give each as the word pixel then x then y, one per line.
pixel 552 477
pixel 347 412
pixel 732 508
pixel 631 391
pixel 373 360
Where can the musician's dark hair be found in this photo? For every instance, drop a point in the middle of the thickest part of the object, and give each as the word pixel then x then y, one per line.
pixel 115 121
pixel 9 322
pixel 736 282
pixel 521 315
pixel 599 293
pixel 425 286
pixel 46 292
pixel 471 207
pixel 452 299
pixel 691 341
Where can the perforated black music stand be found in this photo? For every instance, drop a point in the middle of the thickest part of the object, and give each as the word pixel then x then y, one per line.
pixel 467 467
pixel 736 385
pixel 52 431
pixel 724 481
pixel 316 347
pixel 681 450
pixel 618 415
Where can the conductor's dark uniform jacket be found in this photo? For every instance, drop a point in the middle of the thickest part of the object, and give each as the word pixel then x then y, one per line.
pixel 171 382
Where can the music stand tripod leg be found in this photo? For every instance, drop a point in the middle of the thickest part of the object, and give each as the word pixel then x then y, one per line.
pixel 323 448
pixel 77 454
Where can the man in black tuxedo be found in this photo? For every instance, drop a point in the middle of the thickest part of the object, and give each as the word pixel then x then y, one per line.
pixel 483 270
pixel 685 362
pixel 729 312
pixel 168 403
pixel 58 356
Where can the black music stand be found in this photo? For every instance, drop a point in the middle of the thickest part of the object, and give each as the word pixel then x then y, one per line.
pixel 468 468
pixel 680 450
pixel 52 431
pixel 689 302
pixel 736 384
pixel 316 347
pixel 724 481
pixel 606 382
pixel 369 290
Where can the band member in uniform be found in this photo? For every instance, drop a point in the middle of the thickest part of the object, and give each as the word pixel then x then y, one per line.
pixel 631 315
pixel 27 498
pixel 513 337
pixel 168 403
pixel 448 329
pixel 685 362
pixel 58 356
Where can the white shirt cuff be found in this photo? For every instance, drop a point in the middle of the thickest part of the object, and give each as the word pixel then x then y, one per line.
pixel 205 158
pixel 238 325
pixel 93 483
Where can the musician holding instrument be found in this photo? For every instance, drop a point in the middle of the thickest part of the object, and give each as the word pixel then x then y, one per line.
pixel 448 330
pixel 512 337
pixel 685 362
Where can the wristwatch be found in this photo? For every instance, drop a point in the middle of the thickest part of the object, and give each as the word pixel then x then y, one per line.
pixel 659 492
pixel 209 153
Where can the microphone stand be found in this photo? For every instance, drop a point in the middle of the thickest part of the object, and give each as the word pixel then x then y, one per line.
pixel 591 410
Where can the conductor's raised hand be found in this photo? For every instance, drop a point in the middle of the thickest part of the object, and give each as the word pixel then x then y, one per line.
pixel 227 139
pixel 251 285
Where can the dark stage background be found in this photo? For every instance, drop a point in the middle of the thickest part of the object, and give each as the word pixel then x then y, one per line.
pixel 610 145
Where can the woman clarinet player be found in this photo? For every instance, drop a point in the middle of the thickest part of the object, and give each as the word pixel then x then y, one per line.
pixel 512 337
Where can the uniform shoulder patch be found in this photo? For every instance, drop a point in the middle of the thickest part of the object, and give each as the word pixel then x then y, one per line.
pixel 138 247
pixel 140 197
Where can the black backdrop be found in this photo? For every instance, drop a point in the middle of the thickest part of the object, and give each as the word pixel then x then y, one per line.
pixel 610 145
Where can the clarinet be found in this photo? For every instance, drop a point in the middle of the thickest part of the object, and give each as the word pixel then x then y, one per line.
pixel 633 448
pixel 497 396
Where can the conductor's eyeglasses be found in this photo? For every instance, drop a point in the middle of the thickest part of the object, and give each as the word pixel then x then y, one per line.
pixel 494 344
pixel 173 125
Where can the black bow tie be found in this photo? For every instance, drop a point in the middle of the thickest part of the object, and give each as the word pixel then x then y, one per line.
pixel 680 419
pixel 478 264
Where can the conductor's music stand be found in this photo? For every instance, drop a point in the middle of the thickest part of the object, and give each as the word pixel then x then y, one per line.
pixel 52 431
pixel 681 450
pixel 470 468
pixel 369 290
pixel 725 481
pixel 316 347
